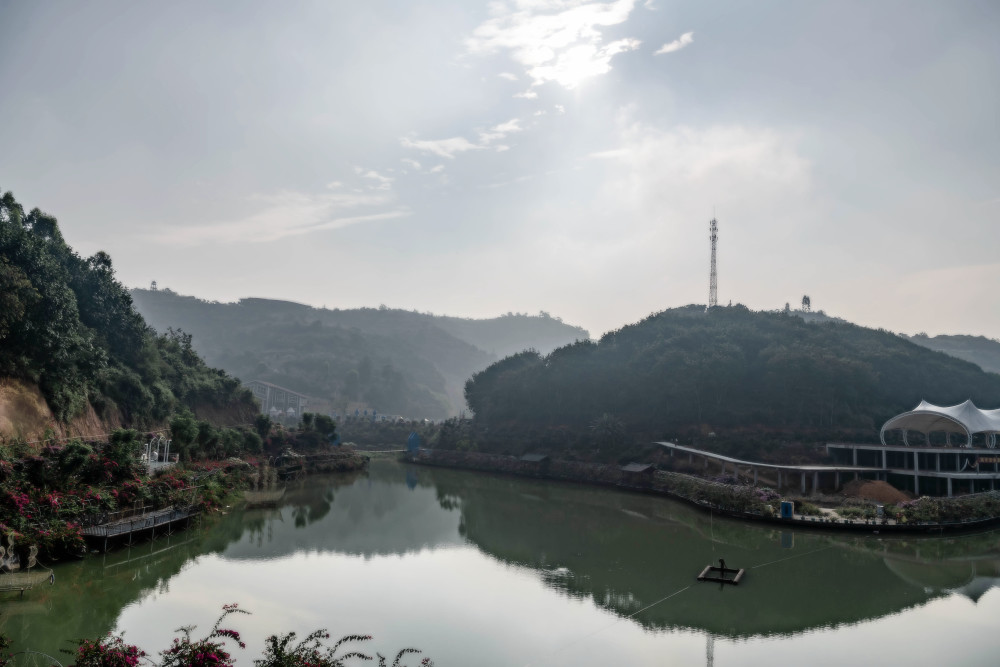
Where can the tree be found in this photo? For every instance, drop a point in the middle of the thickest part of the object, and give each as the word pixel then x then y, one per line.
pixel 806 303
pixel 262 425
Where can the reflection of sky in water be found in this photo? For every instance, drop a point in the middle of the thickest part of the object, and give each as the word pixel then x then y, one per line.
pixel 466 609
pixel 479 570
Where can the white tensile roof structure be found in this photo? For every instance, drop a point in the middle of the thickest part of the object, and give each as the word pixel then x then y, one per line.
pixel 964 418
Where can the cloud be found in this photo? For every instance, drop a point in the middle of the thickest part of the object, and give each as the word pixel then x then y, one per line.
pixel 437 169
pixel 677 44
pixel 446 148
pixel 510 76
pixel 384 182
pixel 555 40
pixel 288 214
pixel 500 131
pixel 528 94
pixel 411 162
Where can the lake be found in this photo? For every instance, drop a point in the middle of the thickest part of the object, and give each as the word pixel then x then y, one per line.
pixel 479 569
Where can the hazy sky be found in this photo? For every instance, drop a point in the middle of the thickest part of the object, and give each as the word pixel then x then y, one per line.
pixel 561 155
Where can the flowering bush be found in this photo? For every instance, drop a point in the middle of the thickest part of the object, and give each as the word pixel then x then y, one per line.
pixel 210 651
pixel 207 652
pixel 112 651
pixel 310 652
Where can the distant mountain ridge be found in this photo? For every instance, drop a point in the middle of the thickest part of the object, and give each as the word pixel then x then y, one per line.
pixel 980 350
pixel 396 361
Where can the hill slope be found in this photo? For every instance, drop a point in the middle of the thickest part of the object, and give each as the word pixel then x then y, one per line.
pixel 728 370
pixel 397 361
pixel 69 327
pixel 982 351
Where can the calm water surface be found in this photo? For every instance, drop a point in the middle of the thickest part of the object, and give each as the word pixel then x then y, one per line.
pixel 485 570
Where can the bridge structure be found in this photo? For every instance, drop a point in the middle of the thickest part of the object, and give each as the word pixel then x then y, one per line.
pixel 935 471
pixel 780 475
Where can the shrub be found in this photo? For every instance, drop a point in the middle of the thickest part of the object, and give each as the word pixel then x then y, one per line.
pixel 112 651
pixel 808 509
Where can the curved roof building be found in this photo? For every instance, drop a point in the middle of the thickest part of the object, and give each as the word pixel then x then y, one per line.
pixel 964 418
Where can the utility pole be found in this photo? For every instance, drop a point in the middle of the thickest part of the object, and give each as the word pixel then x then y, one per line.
pixel 713 280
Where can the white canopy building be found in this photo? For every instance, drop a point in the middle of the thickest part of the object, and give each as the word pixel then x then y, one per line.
pixel 964 419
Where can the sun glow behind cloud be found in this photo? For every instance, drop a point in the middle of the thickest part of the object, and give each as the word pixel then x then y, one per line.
pixel 555 40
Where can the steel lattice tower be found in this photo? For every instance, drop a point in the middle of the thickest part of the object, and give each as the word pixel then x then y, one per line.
pixel 713 280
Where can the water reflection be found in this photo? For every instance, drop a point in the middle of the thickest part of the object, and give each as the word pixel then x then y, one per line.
pixel 631 555
pixel 626 551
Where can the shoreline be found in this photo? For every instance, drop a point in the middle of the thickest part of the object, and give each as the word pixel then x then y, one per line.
pixel 613 477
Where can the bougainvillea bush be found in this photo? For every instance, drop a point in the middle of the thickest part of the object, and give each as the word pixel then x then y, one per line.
pixel 111 651
pixel 49 493
pixel 212 650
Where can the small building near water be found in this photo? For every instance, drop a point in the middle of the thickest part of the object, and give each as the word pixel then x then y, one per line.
pixel 536 462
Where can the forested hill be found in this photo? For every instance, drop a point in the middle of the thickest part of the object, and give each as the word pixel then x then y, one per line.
pixel 982 351
pixel 685 371
pixel 69 327
pixel 395 361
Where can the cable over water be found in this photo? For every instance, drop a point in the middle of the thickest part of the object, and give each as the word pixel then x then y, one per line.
pixel 614 622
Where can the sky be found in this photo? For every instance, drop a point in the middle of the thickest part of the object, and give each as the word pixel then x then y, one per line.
pixel 474 159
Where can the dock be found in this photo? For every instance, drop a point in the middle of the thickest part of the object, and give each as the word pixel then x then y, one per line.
pixel 131 523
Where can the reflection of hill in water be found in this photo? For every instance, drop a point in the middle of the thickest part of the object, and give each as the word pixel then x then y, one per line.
pixel 88 595
pixel 375 515
pixel 629 551
pixel 624 551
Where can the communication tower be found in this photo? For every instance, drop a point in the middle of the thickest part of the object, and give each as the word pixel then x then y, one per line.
pixel 713 280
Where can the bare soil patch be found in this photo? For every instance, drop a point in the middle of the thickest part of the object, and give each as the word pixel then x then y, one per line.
pixel 878 491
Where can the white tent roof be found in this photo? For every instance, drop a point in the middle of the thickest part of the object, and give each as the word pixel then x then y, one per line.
pixel 963 418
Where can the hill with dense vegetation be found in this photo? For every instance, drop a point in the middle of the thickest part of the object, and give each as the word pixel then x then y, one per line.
pixel 395 361
pixel 69 327
pixel 730 372
pixel 982 351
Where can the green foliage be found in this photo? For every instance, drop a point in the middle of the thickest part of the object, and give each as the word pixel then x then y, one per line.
pixel 948 510
pixel 399 362
pixel 262 424
pixel 808 509
pixel 69 326
pixel 209 651
pixel 213 650
pixel 688 372
pixel 280 651
pixel 184 433
pixel 110 651
pixel 982 351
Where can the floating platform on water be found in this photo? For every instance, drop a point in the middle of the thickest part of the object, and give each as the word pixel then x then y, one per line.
pixel 721 574
pixel 24 581
pixel 129 524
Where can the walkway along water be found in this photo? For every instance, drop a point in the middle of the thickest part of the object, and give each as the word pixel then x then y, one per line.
pixel 738 502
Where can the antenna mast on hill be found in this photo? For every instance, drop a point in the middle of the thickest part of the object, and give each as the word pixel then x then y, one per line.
pixel 713 280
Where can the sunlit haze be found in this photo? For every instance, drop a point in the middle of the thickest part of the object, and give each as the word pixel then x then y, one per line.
pixel 560 155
